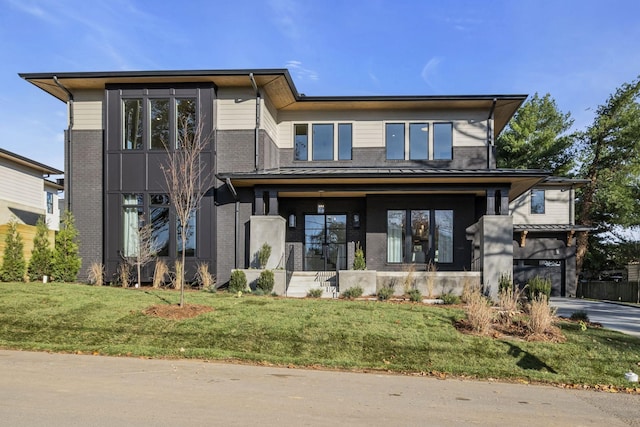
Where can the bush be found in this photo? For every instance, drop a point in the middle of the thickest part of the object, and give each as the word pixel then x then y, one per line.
pixel 238 281
pixel 160 272
pixel 96 274
pixel 359 262
pixel 263 255
pixel 450 299
pixel 580 315
pixel 354 292
pixel 538 286
pixel 266 281
pixel 384 293
pixel 66 261
pixel 415 295
pixel 479 313
pixel 314 293
pixel 505 282
pixel 205 280
pixel 13 263
pixel 540 315
pixel 41 260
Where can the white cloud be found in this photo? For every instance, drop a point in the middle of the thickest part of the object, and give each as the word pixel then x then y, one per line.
pixel 300 72
pixel 430 70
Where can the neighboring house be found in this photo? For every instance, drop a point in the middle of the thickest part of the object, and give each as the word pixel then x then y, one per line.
pixel 413 179
pixel 27 195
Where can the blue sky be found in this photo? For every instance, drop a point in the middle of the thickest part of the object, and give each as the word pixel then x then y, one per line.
pixel 578 51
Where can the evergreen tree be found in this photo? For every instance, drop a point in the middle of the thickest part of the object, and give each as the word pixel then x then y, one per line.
pixel 13 263
pixel 66 261
pixel 41 260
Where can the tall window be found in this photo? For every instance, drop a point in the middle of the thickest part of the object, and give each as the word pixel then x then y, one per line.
pixel 301 142
pixel 132 120
pixel 159 218
pixel 190 243
pixel 394 137
pixel 418 141
pixel 132 210
pixel 159 123
pixel 186 121
pixel 537 201
pixel 345 137
pixel 442 141
pixel 322 142
pixel 49 202
pixel 431 233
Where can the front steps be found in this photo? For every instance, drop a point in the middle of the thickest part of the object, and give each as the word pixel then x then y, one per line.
pixel 303 281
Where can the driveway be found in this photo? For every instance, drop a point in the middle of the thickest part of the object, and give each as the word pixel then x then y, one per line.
pixel 619 317
pixel 79 390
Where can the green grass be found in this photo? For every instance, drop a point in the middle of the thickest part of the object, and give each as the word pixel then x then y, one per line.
pixel 335 334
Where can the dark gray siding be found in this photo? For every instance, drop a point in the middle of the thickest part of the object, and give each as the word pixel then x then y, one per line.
pixel 85 174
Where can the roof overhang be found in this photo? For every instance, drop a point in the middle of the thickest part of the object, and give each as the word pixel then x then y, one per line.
pixel 361 181
pixel 32 164
pixel 280 89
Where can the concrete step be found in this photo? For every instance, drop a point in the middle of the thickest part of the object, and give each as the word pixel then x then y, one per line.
pixel 303 281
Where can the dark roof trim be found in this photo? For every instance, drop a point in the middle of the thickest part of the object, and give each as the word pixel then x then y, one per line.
pixel 30 163
pixel 550 227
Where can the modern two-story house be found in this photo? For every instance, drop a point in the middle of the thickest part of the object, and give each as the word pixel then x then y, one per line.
pixel 411 179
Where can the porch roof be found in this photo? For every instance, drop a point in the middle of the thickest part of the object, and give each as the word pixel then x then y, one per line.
pixel 369 180
pixel 550 227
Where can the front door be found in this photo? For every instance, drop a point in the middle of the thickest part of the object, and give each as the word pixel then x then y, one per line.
pixel 325 237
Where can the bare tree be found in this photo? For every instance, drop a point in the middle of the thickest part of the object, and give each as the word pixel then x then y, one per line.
pixel 145 250
pixel 187 181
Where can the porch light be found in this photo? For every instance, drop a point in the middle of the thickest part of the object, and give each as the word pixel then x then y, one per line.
pixel 321 207
pixel 356 220
pixel 292 220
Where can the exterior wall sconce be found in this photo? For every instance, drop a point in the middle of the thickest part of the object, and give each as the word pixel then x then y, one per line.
pixel 292 220
pixel 356 220
pixel 321 207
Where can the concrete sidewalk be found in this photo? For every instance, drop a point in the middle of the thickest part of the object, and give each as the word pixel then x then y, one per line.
pixel 67 390
pixel 619 317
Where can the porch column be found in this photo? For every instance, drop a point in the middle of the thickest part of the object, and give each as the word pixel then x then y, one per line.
pixel 491 201
pixel 504 201
pixel 259 202
pixel 273 202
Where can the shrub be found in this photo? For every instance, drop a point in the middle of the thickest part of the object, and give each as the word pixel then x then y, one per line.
pixel 124 274
pixel 266 280
pixel 359 262
pixel 41 261
pixel 431 280
pixel 13 263
pixel 415 295
pixel 204 278
pixel 354 292
pixel 263 255
pixel 538 286
pixel 96 274
pixel 580 315
pixel 479 312
pixel 505 282
pixel 238 281
pixel 314 293
pixel 468 289
pixel 66 261
pixel 385 292
pixel 450 299
pixel 509 299
pixel 540 315
pixel 160 272
pixel 177 280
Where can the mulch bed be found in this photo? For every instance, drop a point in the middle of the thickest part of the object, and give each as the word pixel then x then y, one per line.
pixel 175 312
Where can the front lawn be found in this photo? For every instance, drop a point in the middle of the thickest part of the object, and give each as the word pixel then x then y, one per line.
pixel 373 335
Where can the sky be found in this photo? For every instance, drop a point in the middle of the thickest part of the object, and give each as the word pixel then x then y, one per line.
pixel 579 51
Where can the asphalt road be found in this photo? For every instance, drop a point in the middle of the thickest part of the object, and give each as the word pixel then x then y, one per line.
pixel 619 317
pixel 41 389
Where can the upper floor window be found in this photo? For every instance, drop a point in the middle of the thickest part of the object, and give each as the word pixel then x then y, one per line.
pixel 442 141
pixel 157 123
pixel 49 202
pixel 537 202
pixel 413 141
pixel 324 142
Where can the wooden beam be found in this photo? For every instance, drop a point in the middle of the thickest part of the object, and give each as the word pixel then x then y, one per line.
pixel 523 238
pixel 570 237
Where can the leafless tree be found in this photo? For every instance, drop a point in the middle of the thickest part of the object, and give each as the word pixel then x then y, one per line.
pixel 187 181
pixel 145 250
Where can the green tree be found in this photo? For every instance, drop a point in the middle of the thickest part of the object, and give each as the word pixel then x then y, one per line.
pixel 41 261
pixel 610 160
pixel 66 261
pixel 13 263
pixel 537 138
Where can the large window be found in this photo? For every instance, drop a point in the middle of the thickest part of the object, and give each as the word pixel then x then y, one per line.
pixel 418 141
pixel 170 122
pixel 49 202
pixel 427 237
pixel 301 142
pixel 132 211
pixel 442 141
pixel 190 242
pixel 345 141
pixel 537 201
pixel 394 137
pixel 322 142
pixel 159 218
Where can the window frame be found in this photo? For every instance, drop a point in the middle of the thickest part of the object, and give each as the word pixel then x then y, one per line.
pixel 306 150
pixel 435 153
pixel 533 202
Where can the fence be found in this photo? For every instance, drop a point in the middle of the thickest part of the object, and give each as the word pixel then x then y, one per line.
pixel 612 291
